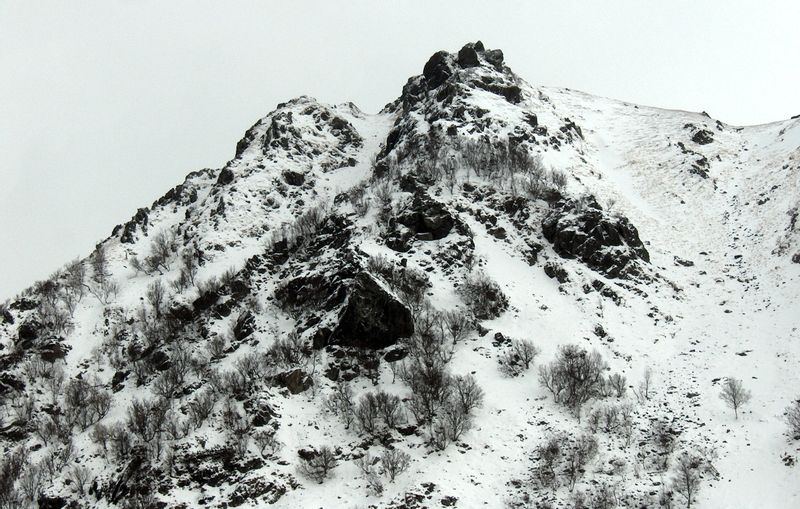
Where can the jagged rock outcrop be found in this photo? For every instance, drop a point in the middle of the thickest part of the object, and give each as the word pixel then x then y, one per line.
pixel 607 243
pixel 373 317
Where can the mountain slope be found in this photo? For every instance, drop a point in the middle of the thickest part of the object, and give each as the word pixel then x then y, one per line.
pixel 205 353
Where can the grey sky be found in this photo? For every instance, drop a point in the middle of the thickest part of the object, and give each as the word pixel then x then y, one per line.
pixel 104 105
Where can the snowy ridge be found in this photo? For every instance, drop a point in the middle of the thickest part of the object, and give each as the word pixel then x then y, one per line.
pixel 335 243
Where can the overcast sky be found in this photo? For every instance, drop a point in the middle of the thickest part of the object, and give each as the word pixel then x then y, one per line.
pixel 105 105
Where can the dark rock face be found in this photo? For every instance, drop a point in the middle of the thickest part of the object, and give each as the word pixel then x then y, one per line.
pixel 428 217
pixel 261 411
pixel 296 381
pixel 48 502
pixel 511 93
pixel 225 177
pixel 608 244
pixel 139 220
pixel 703 137
pixel 205 301
pixel 555 271
pixel 9 382
pixel 468 56
pixel 244 327
pixel 24 304
pixel 28 331
pixel 373 317
pixel 494 57
pixel 181 312
pixel 52 351
pixel 6 316
pixel 437 69
pixel 294 178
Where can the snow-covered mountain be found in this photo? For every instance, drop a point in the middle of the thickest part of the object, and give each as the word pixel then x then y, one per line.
pixel 489 294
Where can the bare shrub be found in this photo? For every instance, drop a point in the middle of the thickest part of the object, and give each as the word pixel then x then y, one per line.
pixel 162 248
pixel 267 442
pixel 574 377
pixel 289 351
pixel 85 403
pixel 200 407
pixel 79 475
pixel 341 403
pixel 146 418
pixel 12 465
pixel 319 467
pixel 577 455
pixel 483 296
pixel 519 357
pixel 793 419
pixel 217 346
pixel 618 384
pixel 664 439
pixel 645 386
pixel 394 463
pixel 456 324
pixel 466 393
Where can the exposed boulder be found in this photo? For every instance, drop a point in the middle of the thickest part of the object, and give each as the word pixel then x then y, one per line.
pixel 494 57
pixel 24 304
pixel 437 69
pixel 468 56
pixel 556 271
pixel 28 331
pixel 205 301
pixel 261 410
pixel 53 502
pixel 373 317
pixel 296 381
pixel 607 243
pixel 244 326
pixel 225 177
pixel 294 178
pixel 427 216
pixel 139 220
pixel 53 351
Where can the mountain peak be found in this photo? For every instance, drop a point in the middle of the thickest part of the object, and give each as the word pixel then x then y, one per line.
pixel 392 268
pixel 442 65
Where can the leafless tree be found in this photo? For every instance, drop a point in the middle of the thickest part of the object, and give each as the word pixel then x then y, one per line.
pixel 618 383
pixel 156 296
pixel 467 393
pixel 734 394
pixel 686 480
pixel 394 463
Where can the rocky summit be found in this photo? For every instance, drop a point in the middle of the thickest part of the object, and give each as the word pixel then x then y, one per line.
pixel 489 294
